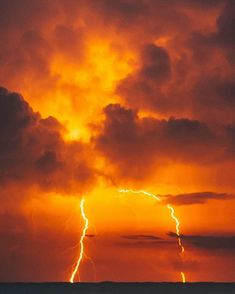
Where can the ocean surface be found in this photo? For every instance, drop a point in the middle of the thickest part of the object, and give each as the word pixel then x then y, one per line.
pixel 115 288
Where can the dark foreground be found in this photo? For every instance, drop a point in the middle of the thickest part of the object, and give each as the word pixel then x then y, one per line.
pixel 115 288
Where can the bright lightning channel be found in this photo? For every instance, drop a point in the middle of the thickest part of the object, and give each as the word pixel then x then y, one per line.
pixel 183 277
pixel 177 227
pixel 81 254
pixel 177 222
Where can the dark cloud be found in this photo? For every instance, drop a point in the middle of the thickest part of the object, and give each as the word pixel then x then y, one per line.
pixel 25 13
pixel 230 137
pixel 125 12
pixel 142 237
pixel 209 242
pixel 212 89
pixel 140 17
pixel 217 91
pixel 143 88
pixel 142 240
pixel 201 4
pixel 156 63
pixel 196 67
pixel 225 35
pixel 196 198
pixel 135 144
pixel 33 151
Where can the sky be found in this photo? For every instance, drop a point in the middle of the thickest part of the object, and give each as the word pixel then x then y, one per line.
pixel 96 96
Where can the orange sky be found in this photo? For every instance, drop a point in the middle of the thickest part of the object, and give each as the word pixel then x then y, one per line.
pixel 117 94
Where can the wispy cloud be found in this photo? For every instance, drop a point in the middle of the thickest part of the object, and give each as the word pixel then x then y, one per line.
pixel 209 241
pixel 196 198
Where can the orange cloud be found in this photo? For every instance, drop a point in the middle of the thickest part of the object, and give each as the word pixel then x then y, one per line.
pixel 115 92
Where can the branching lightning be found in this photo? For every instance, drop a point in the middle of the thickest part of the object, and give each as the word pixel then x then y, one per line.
pixel 93 265
pixel 81 254
pixel 175 219
pixel 86 224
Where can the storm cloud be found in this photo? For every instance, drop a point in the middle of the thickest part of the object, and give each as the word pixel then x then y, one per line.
pixel 33 150
pixel 133 143
pixel 129 93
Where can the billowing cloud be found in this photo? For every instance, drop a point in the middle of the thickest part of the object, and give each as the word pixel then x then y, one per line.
pixel 195 85
pixel 33 151
pixel 223 37
pixel 165 74
pixel 144 88
pixel 132 143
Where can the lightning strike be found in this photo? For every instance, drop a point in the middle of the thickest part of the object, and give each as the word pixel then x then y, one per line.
pixel 183 277
pixel 81 254
pixel 175 219
pixel 177 227
pixel 177 230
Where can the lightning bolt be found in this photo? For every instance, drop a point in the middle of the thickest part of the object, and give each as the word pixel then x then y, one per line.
pixel 177 226
pixel 81 254
pixel 183 277
pixel 175 219
pixel 139 192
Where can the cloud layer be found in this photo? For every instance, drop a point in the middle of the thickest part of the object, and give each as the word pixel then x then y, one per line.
pixel 196 198
pixel 209 242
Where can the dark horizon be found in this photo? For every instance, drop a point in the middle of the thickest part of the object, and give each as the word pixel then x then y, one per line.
pixel 117 287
